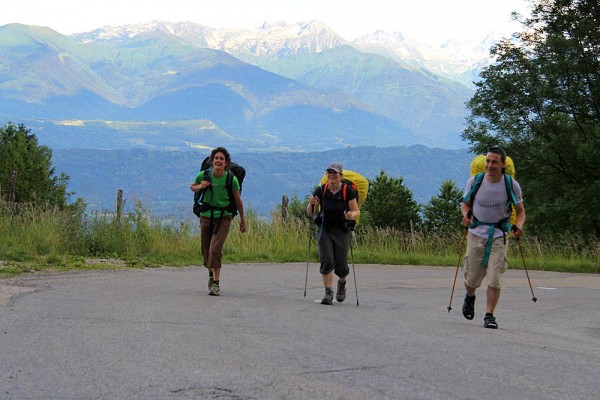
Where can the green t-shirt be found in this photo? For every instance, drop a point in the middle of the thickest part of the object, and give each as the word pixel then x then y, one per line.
pixel 216 194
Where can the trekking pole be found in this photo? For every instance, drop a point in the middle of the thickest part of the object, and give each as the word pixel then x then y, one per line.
pixel 533 298
pixel 353 269
pixel 307 262
pixel 308 255
pixel 460 251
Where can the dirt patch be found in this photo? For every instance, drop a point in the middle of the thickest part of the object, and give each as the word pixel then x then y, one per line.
pixel 24 284
pixel 9 290
pixel 106 261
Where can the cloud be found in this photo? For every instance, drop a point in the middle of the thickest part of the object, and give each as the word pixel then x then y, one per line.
pixel 428 20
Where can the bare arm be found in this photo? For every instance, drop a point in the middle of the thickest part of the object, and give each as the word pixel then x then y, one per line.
pixel 518 231
pixel 465 209
pixel 353 212
pixel 240 206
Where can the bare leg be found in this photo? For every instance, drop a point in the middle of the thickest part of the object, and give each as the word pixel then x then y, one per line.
pixel 328 280
pixel 470 290
pixel 493 295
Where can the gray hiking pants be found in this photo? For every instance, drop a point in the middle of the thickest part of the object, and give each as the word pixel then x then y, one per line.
pixel 333 251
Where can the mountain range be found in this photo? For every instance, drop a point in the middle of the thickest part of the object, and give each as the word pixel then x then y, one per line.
pixel 454 59
pixel 137 107
pixel 183 85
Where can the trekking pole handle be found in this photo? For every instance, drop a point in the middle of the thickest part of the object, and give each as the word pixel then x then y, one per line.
pixel 515 229
pixel 469 216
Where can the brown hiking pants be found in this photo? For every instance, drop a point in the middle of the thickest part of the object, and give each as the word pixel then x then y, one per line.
pixel 213 242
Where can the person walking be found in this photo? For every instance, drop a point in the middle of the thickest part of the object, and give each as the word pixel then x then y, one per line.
pixel 333 206
pixel 217 212
pixel 486 211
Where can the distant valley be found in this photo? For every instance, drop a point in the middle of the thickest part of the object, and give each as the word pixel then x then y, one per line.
pixel 160 179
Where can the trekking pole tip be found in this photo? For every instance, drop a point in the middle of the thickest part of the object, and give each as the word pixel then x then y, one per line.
pixel 449 309
pixel 534 299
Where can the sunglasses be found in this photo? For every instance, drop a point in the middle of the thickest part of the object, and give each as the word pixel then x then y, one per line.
pixel 330 171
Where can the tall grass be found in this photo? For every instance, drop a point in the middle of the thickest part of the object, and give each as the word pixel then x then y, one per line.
pixel 36 238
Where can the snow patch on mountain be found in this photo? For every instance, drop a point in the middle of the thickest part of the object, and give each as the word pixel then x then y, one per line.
pixel 460 60
pixel 455 59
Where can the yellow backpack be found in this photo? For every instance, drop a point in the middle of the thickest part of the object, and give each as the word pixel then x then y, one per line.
pixel 359 183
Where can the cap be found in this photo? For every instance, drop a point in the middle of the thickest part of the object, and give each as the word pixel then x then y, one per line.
pixel 337 167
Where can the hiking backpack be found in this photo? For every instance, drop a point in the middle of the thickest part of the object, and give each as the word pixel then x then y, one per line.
pixel 232 170
pixel 357 182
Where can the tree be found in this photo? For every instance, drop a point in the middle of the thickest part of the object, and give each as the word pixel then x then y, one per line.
pixel 35 183
pixel 391 204
pixel 541 101
pixel 442 213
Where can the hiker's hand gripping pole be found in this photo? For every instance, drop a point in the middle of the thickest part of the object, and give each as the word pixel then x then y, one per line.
pixel 533 298
pixel 460 252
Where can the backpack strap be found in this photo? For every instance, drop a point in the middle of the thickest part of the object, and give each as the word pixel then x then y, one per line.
pixel 470 197
pixel 199 196
pixel 232 208
pixel 323 191
pixel 512 198
pixel 503 224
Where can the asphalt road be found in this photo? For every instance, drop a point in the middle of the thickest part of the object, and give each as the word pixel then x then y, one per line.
pixel 156 334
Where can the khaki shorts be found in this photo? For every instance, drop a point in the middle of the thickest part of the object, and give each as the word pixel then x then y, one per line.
pixel 474 271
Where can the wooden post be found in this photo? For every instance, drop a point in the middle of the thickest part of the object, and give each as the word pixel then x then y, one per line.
pixel 284 207
pixel 119 207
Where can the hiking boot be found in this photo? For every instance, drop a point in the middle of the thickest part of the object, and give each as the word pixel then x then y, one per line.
pixel 469 307
pixel 489 321
pixel 328 299
pixel 341 292
pixel 210 282
pixel 214 290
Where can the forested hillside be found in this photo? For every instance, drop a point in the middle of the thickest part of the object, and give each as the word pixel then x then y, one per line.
pixel 160 179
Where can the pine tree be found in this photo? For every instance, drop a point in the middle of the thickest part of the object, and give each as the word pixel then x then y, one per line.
pixel 21 157
pixel 442 213
pixel 391 204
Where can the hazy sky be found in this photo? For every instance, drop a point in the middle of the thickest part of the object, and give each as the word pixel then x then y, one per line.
pixel 426 20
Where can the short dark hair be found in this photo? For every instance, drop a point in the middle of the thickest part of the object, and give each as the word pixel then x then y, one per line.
pixel 498 150
pixel 220 150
